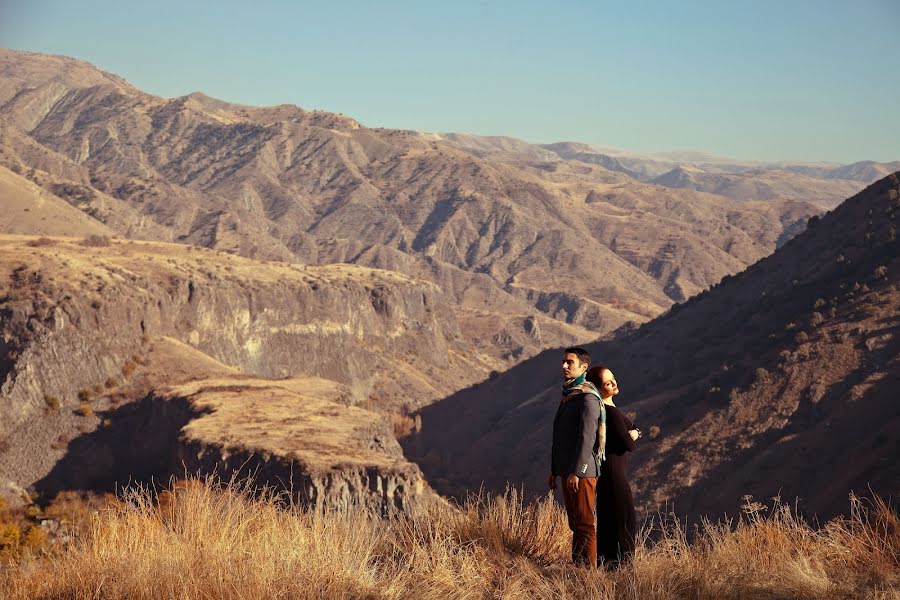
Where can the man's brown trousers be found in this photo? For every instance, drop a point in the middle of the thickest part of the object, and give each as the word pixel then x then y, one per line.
pixel 580 510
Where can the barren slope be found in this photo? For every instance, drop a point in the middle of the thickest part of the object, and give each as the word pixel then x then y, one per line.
pixel 28 208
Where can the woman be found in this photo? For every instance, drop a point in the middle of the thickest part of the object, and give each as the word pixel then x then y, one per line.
pixel 615 504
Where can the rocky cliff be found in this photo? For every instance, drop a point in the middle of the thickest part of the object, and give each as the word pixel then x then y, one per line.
pixel 79 319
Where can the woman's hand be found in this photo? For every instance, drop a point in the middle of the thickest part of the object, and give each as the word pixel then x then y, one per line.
pixel 572 482
pixel 634 433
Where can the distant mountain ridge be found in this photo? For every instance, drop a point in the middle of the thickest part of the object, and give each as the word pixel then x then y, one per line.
pixel 823 184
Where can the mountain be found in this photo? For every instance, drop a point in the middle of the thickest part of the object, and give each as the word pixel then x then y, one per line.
pixel 511 231
pixel 779 381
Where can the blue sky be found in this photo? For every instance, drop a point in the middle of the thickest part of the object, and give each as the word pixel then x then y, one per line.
pixel 794 79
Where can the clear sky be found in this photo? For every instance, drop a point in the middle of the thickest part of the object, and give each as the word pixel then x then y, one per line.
pixel 792 79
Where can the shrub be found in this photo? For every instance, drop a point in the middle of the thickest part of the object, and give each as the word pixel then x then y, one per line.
pixel 816 319
pixel 403 425
pixel 41 241
pixel 654 432
pixel 820 302
pixel 9 535
pixel 880 272
pixel 801 337
pixel 84 395
pixel 52 403
pixel 36 539
pixel 111 382
pixel 128 368
pixel 97 388
pixel 85 410
pixel 96 241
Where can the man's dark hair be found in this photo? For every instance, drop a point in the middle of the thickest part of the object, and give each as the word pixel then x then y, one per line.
pixel 583 355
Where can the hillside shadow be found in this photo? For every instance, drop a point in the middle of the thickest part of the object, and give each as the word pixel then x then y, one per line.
pixel 138 446
pixel 445 454
pixel 811 454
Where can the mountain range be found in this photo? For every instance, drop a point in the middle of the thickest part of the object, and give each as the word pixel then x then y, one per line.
pixel 495 222
pixel 383 269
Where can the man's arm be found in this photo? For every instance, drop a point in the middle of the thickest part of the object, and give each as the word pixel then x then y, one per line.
pixel 587 436
pixel 551 481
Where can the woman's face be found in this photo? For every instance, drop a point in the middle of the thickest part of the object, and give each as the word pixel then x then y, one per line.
pixel 608 386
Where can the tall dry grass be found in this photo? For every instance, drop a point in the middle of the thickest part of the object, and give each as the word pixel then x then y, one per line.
pixel 203 542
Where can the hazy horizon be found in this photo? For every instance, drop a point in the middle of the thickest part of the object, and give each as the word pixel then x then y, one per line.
pixel 805 82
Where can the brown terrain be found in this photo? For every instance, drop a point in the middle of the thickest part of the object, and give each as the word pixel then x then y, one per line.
pixel 780 381
pixel 189 284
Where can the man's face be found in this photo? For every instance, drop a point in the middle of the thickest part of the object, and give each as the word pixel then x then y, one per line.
pixel 571 366
pixel 608 385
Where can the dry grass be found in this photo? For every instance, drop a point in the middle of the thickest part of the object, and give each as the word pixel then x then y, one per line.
pixel 200 542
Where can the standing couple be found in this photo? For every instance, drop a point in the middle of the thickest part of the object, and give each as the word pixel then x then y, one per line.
pixel 590 439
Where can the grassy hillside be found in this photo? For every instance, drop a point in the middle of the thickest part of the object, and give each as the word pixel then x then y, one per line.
pixel 203 542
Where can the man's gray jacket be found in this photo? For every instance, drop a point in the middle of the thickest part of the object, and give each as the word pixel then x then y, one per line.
pixel 575 436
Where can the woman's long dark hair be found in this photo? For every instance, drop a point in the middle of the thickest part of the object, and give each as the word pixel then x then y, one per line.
pixel 595 375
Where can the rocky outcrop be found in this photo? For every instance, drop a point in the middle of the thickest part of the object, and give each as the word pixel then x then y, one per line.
pixel 289 439
pixel 289 436
pixel 376 489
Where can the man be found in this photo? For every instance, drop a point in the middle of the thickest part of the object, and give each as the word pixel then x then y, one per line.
pixel 574 453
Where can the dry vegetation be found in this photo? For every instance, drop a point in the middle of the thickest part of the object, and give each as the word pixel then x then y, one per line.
pixel 200 542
